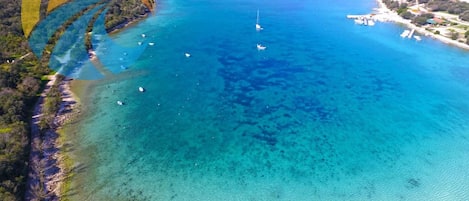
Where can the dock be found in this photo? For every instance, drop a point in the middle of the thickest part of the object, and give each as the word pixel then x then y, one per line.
pixel 369 16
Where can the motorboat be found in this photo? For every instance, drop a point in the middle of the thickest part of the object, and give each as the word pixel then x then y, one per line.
pixel 261 47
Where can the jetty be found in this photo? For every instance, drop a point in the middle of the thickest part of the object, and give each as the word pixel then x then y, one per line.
pixel 366 20
pixel 411 33
pixel 368 16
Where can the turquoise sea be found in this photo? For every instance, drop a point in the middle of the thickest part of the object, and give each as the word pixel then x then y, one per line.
pixel 329 111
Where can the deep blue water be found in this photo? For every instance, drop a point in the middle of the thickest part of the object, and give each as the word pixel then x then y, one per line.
pixel 329 111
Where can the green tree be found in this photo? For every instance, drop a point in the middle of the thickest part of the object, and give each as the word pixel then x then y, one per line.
pixel 29 86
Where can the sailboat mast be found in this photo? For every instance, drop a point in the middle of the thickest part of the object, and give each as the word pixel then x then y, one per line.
pixel 257 21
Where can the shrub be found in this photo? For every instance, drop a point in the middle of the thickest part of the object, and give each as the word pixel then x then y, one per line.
pixel 464 16
pixel 454 35
pixel 420 20
pixel 407 15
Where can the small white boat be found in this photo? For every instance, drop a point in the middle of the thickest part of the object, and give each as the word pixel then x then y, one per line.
pixel 405 33
pixel 120 103
pixel 151 44
pixel 418 38
pixel 139 43
pixel 187 55
pixel 258 26
pixel 261 47
pixel 143 36
pixel 370 22
pixel 141 89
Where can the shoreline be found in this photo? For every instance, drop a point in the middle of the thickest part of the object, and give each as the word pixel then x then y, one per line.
pixel 77 90
pixel 128 24
pixel 46 171
pixel 131 22
pixel 50 168
pixel 395 18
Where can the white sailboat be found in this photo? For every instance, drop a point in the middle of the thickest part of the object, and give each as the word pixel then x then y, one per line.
pixel 258 26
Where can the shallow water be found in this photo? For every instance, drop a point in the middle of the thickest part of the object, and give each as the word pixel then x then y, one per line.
pixel 329 111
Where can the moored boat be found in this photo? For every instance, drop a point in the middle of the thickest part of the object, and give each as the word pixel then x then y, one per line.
pixel 258 26
pixel 405 33
pixel 261 47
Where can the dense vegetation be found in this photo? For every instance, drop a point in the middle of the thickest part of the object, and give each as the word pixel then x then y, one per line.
pixel 20 84
pixel 461 9
pixel 453 7
pixel 458 8
pixel 123 12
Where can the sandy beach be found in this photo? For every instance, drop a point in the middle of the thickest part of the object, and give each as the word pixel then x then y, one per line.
pixel 389 15
pixel 46 167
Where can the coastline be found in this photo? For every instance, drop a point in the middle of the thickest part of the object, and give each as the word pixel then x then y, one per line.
pixel 128 24
pixel 77 90
pixel 46 167
pixel 50 167
pixel 394 17
pixel 151 5
pixel 70 110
